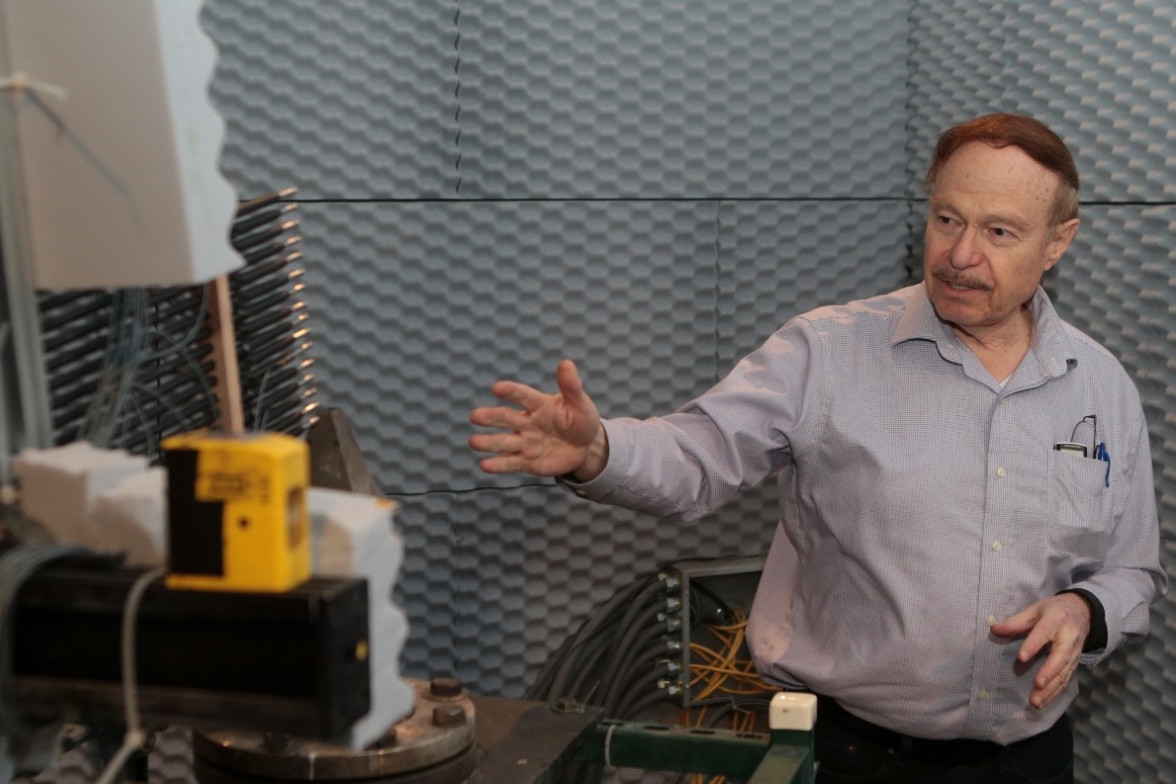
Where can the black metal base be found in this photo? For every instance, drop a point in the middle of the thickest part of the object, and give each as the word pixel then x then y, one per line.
pixel 293 661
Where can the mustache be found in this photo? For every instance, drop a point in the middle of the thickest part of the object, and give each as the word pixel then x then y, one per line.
pixel 948 275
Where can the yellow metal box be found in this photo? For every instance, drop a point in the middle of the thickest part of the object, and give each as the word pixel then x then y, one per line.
pixel 237 514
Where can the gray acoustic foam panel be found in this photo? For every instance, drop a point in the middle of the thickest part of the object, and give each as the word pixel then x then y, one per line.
pixel 425 586
pixel 657 98
pixel 955 61
pixel 345 99
pixel 1103 76
pixel 780 259
pixel 527 98
pixel 517 287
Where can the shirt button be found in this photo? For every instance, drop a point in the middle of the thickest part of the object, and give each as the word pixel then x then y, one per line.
pixel 983 694
pixel 991 620
pixel 996 545
pixel 1000 471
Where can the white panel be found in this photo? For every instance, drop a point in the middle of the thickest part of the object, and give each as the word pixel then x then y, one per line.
pixel 118 175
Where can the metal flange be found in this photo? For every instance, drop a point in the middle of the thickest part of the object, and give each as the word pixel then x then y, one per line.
pixel 438 737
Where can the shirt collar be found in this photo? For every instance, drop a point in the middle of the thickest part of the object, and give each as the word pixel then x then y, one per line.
pixel 1051 345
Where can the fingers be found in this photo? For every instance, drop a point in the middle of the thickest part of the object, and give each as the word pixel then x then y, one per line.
pixel 1059 623
pixel 1042 633
pixel 502 443
pixel 568 379
pixel 546 435
pixel 522 395
pixel 504 418
pixel 1029 623
pixel 529 398
pixel 1054 676
pixel 1016 625
pixel 503 464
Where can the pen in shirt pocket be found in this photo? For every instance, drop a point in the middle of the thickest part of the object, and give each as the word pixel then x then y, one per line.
pixel 1101 453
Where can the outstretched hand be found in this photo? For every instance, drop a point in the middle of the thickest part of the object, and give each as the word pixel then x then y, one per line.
pixel 547 435
pixel 1060 622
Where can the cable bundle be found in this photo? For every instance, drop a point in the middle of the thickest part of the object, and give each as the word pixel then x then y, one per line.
pixel 617 659
pixel 724 684
pixel 127 367
pixel 719 677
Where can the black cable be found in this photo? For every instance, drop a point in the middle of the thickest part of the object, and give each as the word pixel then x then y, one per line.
pixel 651 592
pixel 589 672
pixel 616 642
pixel 641 664
pixel 724 607
pixel 560 666
pixel 632 679
pixel 639 626
pixel 644 694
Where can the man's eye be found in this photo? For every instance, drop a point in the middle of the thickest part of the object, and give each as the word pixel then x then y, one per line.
pixel 1000 232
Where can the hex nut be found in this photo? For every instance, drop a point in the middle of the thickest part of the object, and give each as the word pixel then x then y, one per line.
pixel 445 687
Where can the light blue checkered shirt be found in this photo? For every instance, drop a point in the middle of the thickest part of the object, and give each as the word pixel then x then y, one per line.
pixel 919 503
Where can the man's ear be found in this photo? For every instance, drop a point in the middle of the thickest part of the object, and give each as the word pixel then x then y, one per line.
pixel 1063 235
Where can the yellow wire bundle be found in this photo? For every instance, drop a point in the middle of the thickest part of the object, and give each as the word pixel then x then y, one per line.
pixel 721 671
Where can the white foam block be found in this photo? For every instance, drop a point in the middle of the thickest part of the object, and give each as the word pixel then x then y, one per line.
pixel 59 487
pixel 352 535
pixel 131 516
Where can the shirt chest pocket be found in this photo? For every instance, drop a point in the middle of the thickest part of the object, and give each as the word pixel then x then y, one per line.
pixel 1080 507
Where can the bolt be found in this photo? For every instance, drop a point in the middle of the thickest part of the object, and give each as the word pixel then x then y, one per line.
pixel 567 705
pixel 445 687
pixel 448 716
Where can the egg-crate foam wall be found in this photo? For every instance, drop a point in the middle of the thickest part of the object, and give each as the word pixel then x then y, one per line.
pixel 1103 76
pixel 357 99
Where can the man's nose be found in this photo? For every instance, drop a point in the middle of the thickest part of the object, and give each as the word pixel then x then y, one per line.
pixel 965 251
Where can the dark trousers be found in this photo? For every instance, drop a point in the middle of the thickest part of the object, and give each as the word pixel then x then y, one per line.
pixel 852 751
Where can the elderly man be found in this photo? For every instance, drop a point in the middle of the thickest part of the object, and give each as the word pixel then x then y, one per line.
pixel 967 504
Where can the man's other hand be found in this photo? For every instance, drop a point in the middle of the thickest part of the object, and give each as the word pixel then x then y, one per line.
pixel 1060 623
pixel 547 435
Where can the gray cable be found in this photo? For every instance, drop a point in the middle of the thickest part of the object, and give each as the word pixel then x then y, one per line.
pixel 135 737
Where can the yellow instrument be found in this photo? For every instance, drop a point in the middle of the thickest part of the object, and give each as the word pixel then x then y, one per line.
pixel 237 514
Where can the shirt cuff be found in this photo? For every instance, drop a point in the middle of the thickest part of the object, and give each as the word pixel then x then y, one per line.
pixel 1096 640
pixel 599 486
